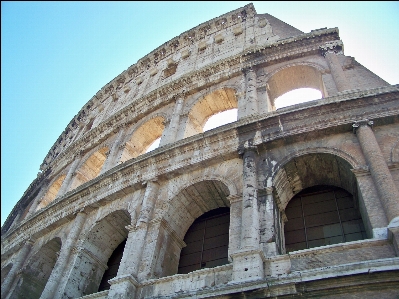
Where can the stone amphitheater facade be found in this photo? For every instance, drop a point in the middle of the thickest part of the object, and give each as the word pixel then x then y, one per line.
pixel 263 180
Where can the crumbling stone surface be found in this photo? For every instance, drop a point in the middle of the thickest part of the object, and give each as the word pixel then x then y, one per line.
pixel 99 187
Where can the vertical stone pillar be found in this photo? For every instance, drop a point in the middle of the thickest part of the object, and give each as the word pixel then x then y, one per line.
pixel 171 132
pixel 37 201
pixel 125 284
pixel 250 209
pixel 330 51
pixel 268 229
pixel 53 283
pixel 275 264
pixel 16 266
pixel 248 262
pixel 68 179
pixel 251 95
pixel 380 173
pixel 113 152
pixel 235 223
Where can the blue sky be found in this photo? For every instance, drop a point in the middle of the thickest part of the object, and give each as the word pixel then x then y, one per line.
pixel 55 56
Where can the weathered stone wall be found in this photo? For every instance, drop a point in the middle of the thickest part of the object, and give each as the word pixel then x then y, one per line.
pixel 99 187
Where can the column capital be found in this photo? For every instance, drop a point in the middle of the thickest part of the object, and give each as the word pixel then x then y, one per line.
pixel 364 122
pixel 335 47
pixel 247 147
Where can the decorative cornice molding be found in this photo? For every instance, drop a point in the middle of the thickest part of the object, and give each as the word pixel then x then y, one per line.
pixel 224 68
pixel 120 179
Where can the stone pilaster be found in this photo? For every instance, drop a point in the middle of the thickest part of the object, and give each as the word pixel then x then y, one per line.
pixel 380 173
pixel 113 152
pixel 53 283
pixel 248 261
pixel 16 266
pixel 250 211
pixel 251 97
pixel 125 283
pixel 330 51
pixel 268 222
pixel 235 223
pixel 171 132
pixel 36 202
pixel 68 179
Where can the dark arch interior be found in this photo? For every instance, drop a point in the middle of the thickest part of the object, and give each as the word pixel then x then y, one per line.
pixel 322 215
pixel 113 266
pixel 207 242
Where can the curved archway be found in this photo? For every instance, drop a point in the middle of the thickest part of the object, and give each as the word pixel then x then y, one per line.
pixel 188 205
pixel 90 169
pixel 297 96
pixel 207 242
pixel 292 78
pixel 91 262
pixel 309 170
pixel 34 276
pixel 143 137
pixel 220 119
pixel 213 103
pixel 52 192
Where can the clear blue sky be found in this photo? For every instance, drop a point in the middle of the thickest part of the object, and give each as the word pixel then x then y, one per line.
pixel 56 55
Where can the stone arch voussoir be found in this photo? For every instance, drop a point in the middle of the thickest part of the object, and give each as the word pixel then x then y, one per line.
pixel 289 176
pixel 294 75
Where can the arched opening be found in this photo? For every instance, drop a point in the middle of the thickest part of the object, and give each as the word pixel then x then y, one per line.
pixel 295 79
pixel 143 138
pixel 51 194
pixel 154 145
pixel 322 215
pixel 212 104
pixel 310 185
pixel 113 265
pixel 90 169
pixel 220 119
pixel 297 96
pixel 98 259
pixel 185 208
pixel 207 242
pixel 37 272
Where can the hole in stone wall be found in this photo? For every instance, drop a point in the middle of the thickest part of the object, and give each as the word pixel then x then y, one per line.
pixel 154 145
pixel 220 119
pixel 297 96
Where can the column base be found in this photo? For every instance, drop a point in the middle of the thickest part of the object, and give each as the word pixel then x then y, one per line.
pixel 123 287
pixel 248 265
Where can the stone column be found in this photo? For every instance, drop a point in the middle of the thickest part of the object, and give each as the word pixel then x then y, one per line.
pixel 171 132
pixel 271 235
pixel 37 201
pixel 380 173
pixel 16 266
pixel 268 229
pixel 248 262
pixel 235 223
pixel 68 179
pixel 50 290
pixel 125 283
pixel 330 51
pixel 251 95
pixel 113 152
pixel 250 209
